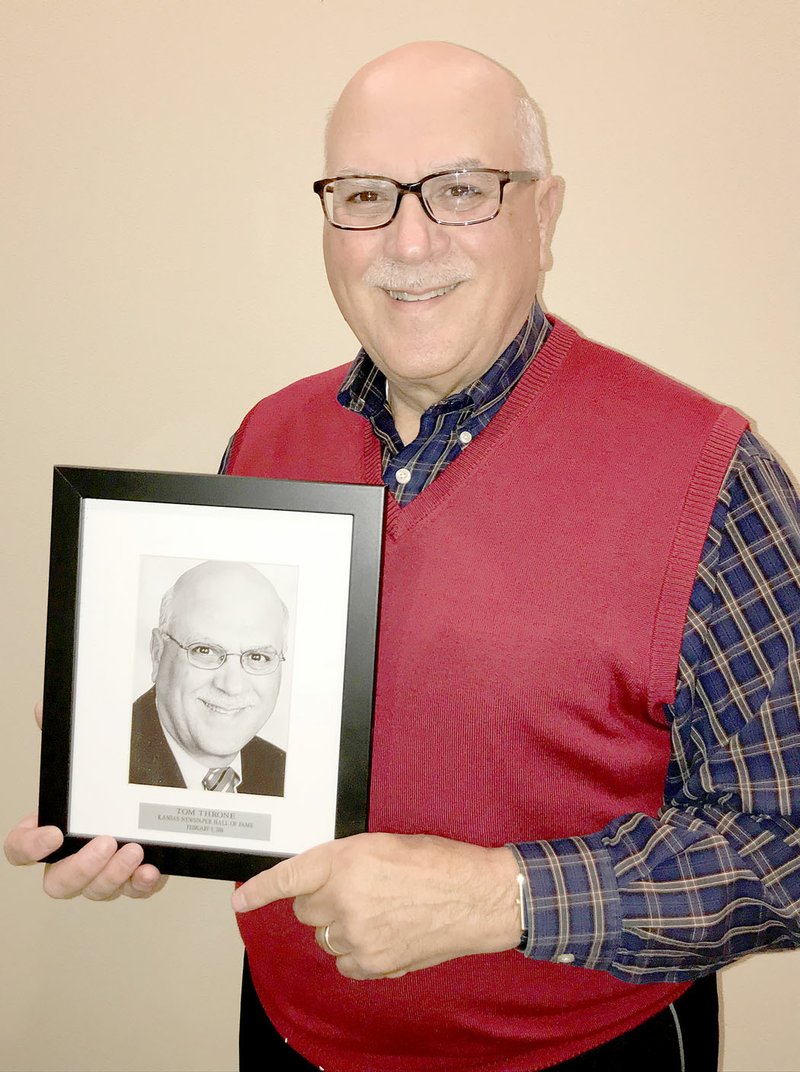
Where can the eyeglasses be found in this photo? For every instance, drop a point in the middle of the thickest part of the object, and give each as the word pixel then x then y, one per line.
pixel 258 661
pixel 452 198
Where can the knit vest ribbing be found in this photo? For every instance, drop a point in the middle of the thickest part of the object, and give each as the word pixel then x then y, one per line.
pixel 532 609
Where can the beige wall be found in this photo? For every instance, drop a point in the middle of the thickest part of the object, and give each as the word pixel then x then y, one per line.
pixel 161 272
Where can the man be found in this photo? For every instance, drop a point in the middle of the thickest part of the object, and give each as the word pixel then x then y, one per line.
pixel 560 837
pixel 217 654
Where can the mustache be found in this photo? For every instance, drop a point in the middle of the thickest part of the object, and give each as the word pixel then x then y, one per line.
pixel 393 275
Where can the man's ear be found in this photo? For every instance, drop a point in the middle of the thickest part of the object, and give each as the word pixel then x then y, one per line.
pixel 549 199
pixel 156 650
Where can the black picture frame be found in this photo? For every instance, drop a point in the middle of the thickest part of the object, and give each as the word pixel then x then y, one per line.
pixel 114 532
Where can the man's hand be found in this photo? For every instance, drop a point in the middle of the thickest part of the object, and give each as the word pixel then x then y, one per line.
pixel 99 870
pixel 387 904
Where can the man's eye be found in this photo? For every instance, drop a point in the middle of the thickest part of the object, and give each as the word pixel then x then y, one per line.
pixel 200 649
pixel 364 197
pixel 261 658
pixel 461 192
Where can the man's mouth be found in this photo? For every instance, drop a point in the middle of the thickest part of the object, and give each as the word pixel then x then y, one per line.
pixel 426 295
pixel 219 710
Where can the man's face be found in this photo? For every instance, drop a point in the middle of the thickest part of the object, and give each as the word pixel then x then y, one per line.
pixel 405 129
pixel 214 713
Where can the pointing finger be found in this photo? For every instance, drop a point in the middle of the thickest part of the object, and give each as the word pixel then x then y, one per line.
pixel 298 875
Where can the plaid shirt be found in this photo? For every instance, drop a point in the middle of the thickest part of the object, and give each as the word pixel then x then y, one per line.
pixel 449 426
pixel 717 873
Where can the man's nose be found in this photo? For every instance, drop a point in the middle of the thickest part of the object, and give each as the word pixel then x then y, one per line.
pixel 412 236
pixel 230 677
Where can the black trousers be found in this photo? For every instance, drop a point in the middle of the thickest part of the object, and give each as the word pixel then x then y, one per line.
pixel 682 1038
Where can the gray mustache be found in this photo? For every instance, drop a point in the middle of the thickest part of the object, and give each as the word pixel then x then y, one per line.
pixel 399 277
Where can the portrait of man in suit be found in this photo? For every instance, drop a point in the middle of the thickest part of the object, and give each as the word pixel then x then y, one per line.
pixel 217 655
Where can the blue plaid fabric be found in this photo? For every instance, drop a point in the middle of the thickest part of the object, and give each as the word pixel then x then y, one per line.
pixel 446 428
pixel 717 873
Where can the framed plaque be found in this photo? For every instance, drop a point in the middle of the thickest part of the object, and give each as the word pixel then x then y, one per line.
pixel 209 665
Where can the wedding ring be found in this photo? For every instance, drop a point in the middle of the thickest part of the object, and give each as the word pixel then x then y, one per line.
pixel 325 942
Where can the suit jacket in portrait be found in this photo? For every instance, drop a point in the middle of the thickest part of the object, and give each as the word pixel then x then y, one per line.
pixel 152 761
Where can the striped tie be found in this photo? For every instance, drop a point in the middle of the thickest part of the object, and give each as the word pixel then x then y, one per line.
pixel 221 780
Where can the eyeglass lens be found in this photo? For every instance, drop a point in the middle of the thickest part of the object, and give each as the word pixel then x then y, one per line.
pixel 210 656
pixel 458 197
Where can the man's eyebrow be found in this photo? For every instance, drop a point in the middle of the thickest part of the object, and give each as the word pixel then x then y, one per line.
pixel 203 638
pixel 460 164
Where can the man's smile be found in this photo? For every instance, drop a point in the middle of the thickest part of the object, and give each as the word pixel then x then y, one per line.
pixel 218 709
pixel 409 296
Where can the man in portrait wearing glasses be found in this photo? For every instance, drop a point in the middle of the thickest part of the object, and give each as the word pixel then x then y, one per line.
pixel 216 655
pixel 583 796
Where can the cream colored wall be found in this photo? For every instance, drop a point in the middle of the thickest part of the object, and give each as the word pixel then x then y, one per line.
pixel 161 272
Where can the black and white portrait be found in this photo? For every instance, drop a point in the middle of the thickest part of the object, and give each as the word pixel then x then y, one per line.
pixel 210 658
pixel 216 665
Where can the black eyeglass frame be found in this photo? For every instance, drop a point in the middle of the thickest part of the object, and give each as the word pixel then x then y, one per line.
pixel 504 177
pixel 227 654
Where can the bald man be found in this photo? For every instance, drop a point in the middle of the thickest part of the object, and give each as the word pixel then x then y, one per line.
pixel 584 797
pixel 216 654
pixel 531 895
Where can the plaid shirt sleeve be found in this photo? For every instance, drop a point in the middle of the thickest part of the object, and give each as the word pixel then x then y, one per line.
pixel 717 873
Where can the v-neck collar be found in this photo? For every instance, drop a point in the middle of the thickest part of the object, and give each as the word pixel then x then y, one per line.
pixel 466 466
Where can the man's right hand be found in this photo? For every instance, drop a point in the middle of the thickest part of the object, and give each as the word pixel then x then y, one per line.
pixel 100 870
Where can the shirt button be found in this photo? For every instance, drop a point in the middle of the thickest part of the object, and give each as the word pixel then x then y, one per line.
pixel 565 958
pixel 402 476
pixel 464 438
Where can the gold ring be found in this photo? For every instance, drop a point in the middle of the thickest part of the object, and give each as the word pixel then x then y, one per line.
pixel 325 942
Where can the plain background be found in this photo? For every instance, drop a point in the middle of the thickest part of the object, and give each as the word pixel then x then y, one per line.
pixel 161 272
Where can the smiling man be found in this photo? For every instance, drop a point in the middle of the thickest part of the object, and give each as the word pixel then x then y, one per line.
pixel 434 303
pixel 584 794
pixel 556 718
pixel 217 654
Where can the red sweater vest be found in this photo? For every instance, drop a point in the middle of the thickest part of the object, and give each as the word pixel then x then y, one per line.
pixel 533 604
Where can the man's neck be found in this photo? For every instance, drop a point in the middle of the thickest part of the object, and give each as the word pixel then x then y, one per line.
pixel 406 412
pixel 408 402
pixel 194 769
pixel 396 406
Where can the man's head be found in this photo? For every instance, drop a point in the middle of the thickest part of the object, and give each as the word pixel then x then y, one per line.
pixel 214 711
pixel 420 109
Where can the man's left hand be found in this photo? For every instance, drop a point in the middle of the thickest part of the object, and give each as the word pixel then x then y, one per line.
pixel 387 904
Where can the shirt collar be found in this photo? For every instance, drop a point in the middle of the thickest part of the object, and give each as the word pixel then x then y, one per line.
pixel 192 771
pixel 363 389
